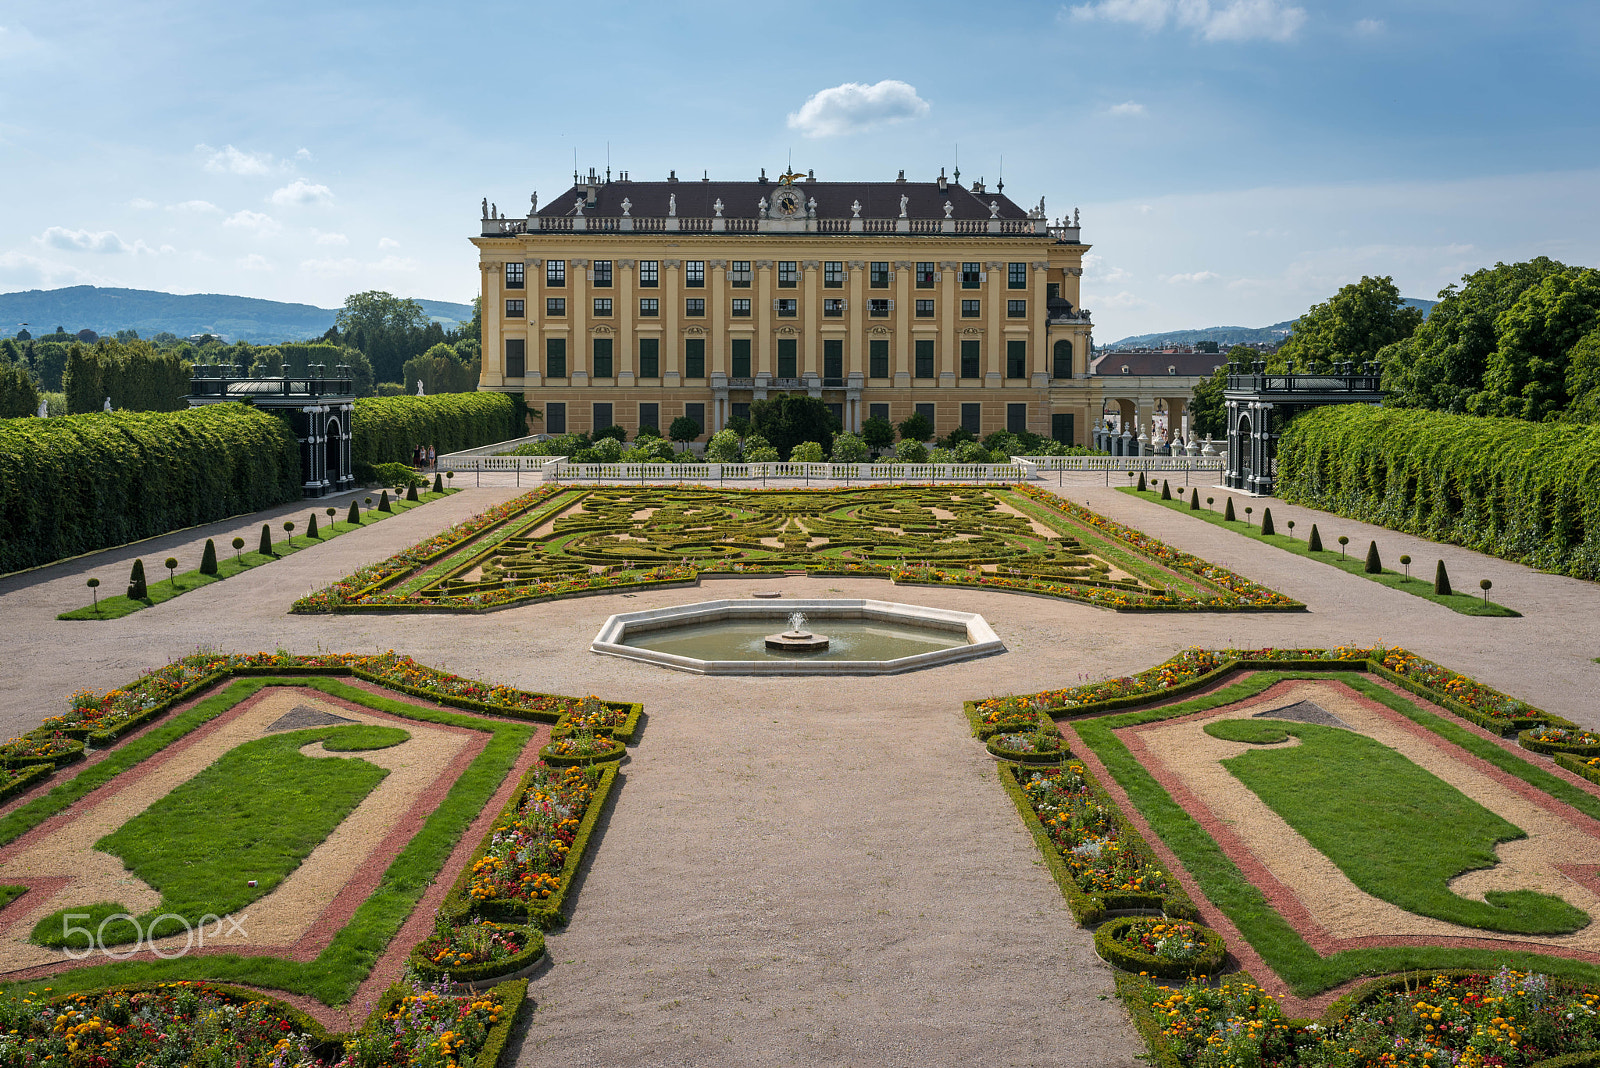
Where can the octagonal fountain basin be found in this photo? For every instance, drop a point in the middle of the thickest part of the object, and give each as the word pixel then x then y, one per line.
pixel 841 636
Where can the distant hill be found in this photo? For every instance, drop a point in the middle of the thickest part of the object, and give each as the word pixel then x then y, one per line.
pixel 1228 336
pixel 105 311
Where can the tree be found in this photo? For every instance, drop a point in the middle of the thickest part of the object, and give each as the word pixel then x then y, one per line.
pixel 1583 378
pixel 684 430
pixel 809 452
pixel 1353 324
pixel 441 371
pixel 1208 413
pixel 916 427
pixel 911 451
pixel 848 448
pixel 18 395
pixel 878 433
pixel 723 448
pixel 1527 375
pixel 389 329
pixel 789 418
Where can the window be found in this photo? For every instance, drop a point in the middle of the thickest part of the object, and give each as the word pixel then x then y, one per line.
pixel 554 306
pixel 739 357
pixel 1061 428
pixel 879 308
pixel 602 273
pixel 649 307
pixel 694 307
pixel 694 357
pixel 1016 276
pixel 1016 418
pixel 738 409
pixel 971 309
pixel 697 412
pixel 924 362
pixel 1016 309
pixel 971 275
pixel 972 418
pixel 924 309
pixel 513 276
pixel 694 274
pixel 787 307
pixel 741 307
pixel 555 357
pixel 833 274
pixel 926 409
pixel 878 411
pixel 788 357
pixel 649 415
pixel 878 277
pixel 925 275
pixel 971 359
pixel 516 357
pixel 833 361
pixel 833 307
pixel 739 274
pixel 601 413
pixel 1124 368
pixel 1052 291
pixel 1016 359
pixel 650 358
pixel 788 274
pixel 602 306
pixel 555 417
pixel 1062 364
pixel 513 309
pixel 878 358
pixel 601 365
pixel 555 272
pixel 649 274
pixel 836 410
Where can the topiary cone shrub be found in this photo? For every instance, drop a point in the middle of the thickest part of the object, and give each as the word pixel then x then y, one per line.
pixel 1166 491
pixel 1194 500
pixel 1227 513
pixel 1266 522
pixel 411 493
pixel 383 502
pixel 1441 580
pixel 266 540
pixel 137 590
pixel 1142 485
pixel 208 559
pixel 355 513
pixel 1314 544
pixel 311 527
pixel 1374 565
pixel 438 482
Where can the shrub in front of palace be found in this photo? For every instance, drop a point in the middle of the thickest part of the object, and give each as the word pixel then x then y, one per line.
pixel 387 429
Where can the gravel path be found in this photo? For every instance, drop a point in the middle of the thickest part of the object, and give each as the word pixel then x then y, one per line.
pixel 819 871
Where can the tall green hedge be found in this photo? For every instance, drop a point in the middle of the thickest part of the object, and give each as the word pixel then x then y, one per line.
pixel 83 482
pixel 388 428
pixel 1523 491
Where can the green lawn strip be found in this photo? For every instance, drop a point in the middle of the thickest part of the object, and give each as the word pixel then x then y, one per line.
pixel 480 545
pixel 335 975
pixel 1111 550
pixel 1279 945
pixel 1352 562
pixel 8 894
pixel 204 844
pixel 1344 792
pixel 231 564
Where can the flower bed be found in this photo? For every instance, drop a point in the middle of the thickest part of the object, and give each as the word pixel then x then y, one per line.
pixel 470 949
pixel 616 720
pixel 1588 769
pixel 1099 861
pixel 581 749
pixel 51 750
pixel 432 1029
pixel 1156 946
pixel 1472 1019
pixel 1552 740
pixel 1043 745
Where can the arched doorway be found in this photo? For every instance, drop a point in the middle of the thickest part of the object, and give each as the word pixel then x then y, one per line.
pixel 1246 447
pixel 1062 364
pixel 333 453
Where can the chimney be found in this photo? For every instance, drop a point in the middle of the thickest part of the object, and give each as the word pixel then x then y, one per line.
pixel 943 181
pixel 902 178
pixel 591 187
pixel 672 176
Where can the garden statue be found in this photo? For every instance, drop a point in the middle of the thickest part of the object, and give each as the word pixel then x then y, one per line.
pixel 107 405
pixel 904 201
pixel 44 409
pixel 420 393
pixel 672 204
pixel 533 204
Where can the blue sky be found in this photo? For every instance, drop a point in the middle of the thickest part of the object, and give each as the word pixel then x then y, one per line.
pixel 1233 160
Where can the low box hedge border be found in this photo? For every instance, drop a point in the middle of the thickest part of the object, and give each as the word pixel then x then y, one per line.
pixel 476 973
pixel 1578 766
pixel 1117 953
pixel 25 780
pixel 1090 909
pixel 70 753
pixel 1017 756
pixel 1534 745
pixel 624 732
pixel 558 760
pixel 327 1043
pixel 513 994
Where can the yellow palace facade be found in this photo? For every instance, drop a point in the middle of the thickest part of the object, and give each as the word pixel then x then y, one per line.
pixel 634 303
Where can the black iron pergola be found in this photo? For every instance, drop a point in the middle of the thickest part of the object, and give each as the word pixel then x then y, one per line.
pixel 1260 404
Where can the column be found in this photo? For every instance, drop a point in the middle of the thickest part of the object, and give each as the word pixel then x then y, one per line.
pixel 949 311
pixel 900 345
pixel 493 368
pixel 716 321
pixel 994 293
pixel 809 321
pixel 624 307
pixel 858 318
pixel 669 280
pixel 578 347
pixel 763 359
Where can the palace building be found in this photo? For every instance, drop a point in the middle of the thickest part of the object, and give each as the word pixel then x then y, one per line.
pixel 634 303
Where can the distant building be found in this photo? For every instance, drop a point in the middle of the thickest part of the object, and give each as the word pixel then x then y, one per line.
pixel 1136 384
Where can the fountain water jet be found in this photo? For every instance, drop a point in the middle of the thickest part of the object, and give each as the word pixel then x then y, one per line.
pixel 797 639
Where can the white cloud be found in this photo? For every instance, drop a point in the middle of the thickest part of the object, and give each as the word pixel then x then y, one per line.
pixel 349 265
pixel 1124 299
pixel 253 220
pixel 1369 27
pixel 255 262
pixel 1094 267
pixel 1128 109
pixel 196 207
pixel 103 241
pixel 18 270
pixel 303 154
pixel 230 160
pixel 1228 20
pixel 856 106
pixel 1192 278
pixel 141 203
pixel 327 238
pixel 395 263
pixel 301 191
pixel 388 242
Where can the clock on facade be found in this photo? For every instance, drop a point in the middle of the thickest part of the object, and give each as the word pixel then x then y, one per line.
pixel 787 202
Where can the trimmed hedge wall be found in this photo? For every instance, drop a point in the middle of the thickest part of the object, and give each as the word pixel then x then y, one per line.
pixel 1524 491
pixel 77 483
pixel 386 429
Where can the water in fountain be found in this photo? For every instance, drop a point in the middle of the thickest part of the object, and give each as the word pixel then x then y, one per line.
pixel 797 623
